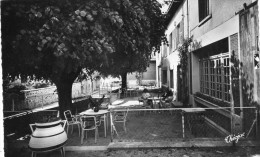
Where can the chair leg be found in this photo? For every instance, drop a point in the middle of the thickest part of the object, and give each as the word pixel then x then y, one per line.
pixel 96 132
pixel 105 129
pixel 71 129
pixel 33 154
pixel 107 121
pixel 124 126
pixel 79 129
pixel 82 136
pixel 67 129
pixel 62 151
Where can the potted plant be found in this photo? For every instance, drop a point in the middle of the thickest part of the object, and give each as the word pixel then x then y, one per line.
pixel 95 104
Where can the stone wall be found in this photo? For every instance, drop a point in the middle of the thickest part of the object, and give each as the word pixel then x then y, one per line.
pixel 44 96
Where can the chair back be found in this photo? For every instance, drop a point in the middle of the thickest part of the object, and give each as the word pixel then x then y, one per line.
pixel 68 116
pixel 120 115
pixel 32 127
pixel 89 121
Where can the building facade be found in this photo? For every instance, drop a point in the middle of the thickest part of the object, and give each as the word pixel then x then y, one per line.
pixel 147 78
pixel 222 72
pixel 167 64
pixel 223 60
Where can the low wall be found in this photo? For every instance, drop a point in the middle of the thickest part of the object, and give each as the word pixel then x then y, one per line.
pixel 44 96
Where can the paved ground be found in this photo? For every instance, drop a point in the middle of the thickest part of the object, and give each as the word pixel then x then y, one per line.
pixel 188 152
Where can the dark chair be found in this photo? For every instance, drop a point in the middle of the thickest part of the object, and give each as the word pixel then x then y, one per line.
pixel 71 120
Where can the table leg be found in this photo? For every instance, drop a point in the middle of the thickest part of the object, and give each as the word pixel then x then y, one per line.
pixel 62 151
pixel 33 154
pixel 105 125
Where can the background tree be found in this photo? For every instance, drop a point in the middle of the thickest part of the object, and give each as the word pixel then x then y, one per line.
pixel 56 39
pixel 140 36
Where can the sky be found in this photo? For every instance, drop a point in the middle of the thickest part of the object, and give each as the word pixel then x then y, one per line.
pixel 164 6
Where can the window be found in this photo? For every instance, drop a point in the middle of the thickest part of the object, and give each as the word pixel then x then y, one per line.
pixel 171 43
pixel 164 78
pixel 175 38
pixel 164 50
pixel 215 77
pixel 171 78
pixel 226 81
pixel 177 35
pixel 203 9
pixel 204 81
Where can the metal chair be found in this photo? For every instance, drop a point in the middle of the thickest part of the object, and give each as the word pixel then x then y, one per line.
pixel 71 120
pixel 136 92
pixel 125 92
pixel 168 103
pixel 120 117
pixel 89 123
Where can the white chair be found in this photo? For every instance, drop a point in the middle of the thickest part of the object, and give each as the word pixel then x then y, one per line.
pixel 89 123
pixel 71 120
pixel 120 117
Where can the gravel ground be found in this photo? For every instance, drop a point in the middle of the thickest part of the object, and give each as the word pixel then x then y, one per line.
pixel 188 152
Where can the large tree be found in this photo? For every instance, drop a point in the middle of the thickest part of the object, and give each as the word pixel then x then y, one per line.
pixel 56 39
pixel 140 36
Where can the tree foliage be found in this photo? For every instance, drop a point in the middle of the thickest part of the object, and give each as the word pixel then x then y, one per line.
pixel 141 35
pixel 56 39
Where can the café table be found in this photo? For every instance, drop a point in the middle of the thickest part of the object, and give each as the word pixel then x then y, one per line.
pixel 132 91
pixel 91 112
pixel 156 101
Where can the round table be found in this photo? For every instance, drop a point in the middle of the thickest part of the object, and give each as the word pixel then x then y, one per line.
pixel 91 112
pixel 155 100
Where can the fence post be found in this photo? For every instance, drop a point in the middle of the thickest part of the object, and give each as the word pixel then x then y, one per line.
pixel 256 117
pixel 111 127
pixel 183 126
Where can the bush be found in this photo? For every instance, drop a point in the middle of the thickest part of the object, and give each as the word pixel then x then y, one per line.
pixel 148 83
pixel 40 85
pixel 16 89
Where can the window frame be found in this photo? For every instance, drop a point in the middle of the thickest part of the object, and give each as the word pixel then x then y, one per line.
pixel 215 82
pixel 208 15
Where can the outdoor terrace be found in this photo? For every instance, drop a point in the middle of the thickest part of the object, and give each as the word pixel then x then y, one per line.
pixel 167 127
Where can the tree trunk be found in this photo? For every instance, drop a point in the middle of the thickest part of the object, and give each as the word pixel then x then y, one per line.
pixel 23 78
pixel 64 89
pixel 124 80
pixel 64 82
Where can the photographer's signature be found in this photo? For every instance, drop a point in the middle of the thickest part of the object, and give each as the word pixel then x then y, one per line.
pixel 231 138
